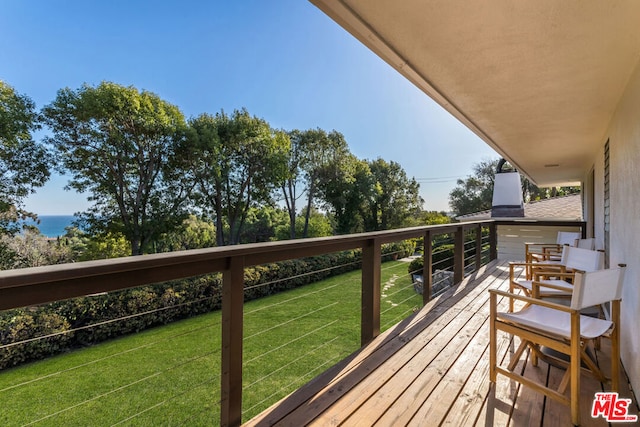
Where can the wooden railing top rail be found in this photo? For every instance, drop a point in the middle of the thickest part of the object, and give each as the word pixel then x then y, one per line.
pixel 37 285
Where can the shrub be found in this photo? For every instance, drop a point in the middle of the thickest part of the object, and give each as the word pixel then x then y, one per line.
pixel 23 326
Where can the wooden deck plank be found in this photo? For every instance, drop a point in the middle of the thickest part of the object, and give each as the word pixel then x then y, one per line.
pixel 528 408
pixel 472 397
pixel 458 398
pixel 431 362
pixel 317 400
pixel 426 370
pixel 436 405
pixel 432 368
pixel 377 399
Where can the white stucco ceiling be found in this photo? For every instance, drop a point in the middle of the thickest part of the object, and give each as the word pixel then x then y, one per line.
pixel 537 80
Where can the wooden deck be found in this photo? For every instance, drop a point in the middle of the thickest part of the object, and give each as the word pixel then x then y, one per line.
pixel 433 369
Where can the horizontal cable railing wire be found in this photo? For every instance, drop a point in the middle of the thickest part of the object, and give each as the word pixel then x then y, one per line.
pixel 114 355
pixel 284 389
pixel 120 388
pixel 172 398
pixel 297 276
pixel 266 353
pixel 103 323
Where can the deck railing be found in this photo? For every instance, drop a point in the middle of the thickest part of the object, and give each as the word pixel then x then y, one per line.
pixel 33 286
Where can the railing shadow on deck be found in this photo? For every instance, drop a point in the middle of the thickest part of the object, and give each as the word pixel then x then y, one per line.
pixel 33 286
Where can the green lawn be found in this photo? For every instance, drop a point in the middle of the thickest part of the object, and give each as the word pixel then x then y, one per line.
pixel 170 375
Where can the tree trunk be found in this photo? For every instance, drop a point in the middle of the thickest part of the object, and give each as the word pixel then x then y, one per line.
pixel 305 232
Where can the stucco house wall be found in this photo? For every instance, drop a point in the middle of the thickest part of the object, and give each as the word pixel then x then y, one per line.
pixel 624 168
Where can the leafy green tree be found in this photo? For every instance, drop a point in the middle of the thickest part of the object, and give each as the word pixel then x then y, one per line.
pixel 311 151
pixel 195 233
pixel 119 144
pixel 262 223
pixel 475 193
pixel 394 198
pixel 368 195
pixel 237 161
pixel 434 218
pixel 320 151
pixel 290 186
pixel 105 246
pixel 24 164
pixel 344 184
pixel 32 249
pixel 317 223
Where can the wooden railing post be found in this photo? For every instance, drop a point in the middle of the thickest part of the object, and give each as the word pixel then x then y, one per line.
pixel 232 326
pixel 478 247
pixel 458 255
pixel 427 267
pixel 493 241
pixel 371 262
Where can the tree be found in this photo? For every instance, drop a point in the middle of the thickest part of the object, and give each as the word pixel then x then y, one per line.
pixel 236 161
pixel 344 183
pixel 120 144
pixel 32 249
pixel 320 150
pixel 311 151
pixel 262 223
pixel 290 185
pixel 367 195
pixel 318 225
pixel 24 164
pixel 393 197
pixel 475 193
pixel 195 233
pixel 434 217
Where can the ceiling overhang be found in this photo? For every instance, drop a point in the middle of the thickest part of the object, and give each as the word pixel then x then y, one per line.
pixel 538 80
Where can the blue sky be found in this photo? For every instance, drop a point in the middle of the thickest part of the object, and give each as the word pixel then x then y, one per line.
pixel 283 60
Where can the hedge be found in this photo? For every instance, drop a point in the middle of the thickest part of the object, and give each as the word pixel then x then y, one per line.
pixel 33 333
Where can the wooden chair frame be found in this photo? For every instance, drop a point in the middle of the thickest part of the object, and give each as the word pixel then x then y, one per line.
pixel 574 345
pixel 572 259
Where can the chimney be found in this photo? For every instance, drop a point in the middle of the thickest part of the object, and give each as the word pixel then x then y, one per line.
pixel 507 194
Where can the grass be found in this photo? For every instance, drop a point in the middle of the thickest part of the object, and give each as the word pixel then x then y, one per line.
pixel 170 375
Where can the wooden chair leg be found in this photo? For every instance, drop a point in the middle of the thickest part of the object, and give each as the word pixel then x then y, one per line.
pixel 564 382
pixel 492 338
pixel 575 368
pixel 516 356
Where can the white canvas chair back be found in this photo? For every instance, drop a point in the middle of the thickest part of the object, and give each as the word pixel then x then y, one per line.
pixel 597 287
pixel 586 243
pixel 567 238
pixel 582 259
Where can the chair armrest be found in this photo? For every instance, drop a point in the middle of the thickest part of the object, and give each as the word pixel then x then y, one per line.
pixel 530 300
pixel 535 286
pixel 541 246
pixel 523 264
pixel 539 273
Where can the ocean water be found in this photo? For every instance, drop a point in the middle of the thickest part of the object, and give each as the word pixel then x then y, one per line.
pixel 52 225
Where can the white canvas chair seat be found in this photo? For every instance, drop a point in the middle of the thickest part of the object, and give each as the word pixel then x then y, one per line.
pixel 554 322
pixel 563 329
